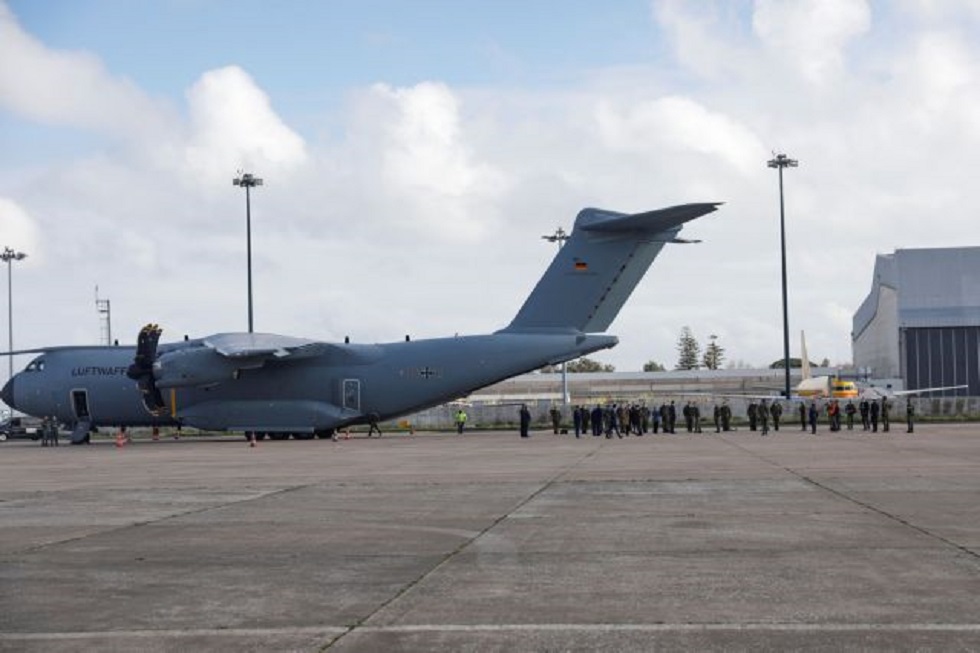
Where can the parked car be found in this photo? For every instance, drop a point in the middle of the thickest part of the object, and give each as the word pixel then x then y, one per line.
pixel 20 428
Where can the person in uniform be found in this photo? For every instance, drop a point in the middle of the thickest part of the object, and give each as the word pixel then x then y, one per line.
pixel 909 415
pixel 688 417
pixel 44 431
pixel 885 407
pixel 849 410
pixel 555 419
pixel 874 416
pixel 762 412
pixel 726 417
pixel 717 417
pixel 577 421
pixel 597 421
pixel 865 411
pixel 672 416
pixel 752 412
pixel 776 411
pixel 525 416
pixel 802 416
pixel 460 421
pixel 53 425
pixel 813 417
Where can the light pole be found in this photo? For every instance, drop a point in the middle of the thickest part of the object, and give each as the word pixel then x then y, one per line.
pixel 248 181
pixel 8 256
pixel 560 237
pixel 780 161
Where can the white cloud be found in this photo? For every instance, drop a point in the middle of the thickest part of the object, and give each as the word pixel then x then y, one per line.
pixel 812 34
pixel 19 229
pixel 671 124
pixel 68 88
pixel 233 125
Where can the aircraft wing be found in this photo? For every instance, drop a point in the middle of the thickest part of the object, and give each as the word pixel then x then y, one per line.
pixel 263 346
pixel 875 392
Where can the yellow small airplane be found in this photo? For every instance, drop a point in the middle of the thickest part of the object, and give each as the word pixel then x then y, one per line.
pixel 822 387
pixel 832 387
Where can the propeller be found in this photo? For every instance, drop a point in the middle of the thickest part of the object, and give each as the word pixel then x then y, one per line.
pixel 141 370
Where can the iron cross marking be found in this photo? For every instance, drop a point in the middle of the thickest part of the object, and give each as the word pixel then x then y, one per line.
pixel 427 372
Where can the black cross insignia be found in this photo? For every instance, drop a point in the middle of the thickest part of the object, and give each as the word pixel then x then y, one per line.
pixel 427 372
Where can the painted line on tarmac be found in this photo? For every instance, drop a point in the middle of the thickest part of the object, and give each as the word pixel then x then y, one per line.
pixel 150 634
pixel 759 627
pixel 503 628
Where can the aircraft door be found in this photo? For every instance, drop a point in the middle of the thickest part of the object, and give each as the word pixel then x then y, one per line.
pixel 79 403
pixel 352 394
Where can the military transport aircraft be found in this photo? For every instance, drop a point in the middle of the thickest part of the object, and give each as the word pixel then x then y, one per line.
pixel 265 383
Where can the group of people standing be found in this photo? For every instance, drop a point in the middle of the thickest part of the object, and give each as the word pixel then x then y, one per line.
pixel 639 419
pixel 871 412
pixel 49 432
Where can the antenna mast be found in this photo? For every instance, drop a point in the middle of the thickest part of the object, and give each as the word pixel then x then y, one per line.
pixel 105 318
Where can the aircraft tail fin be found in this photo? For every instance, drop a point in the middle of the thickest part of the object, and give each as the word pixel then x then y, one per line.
pixel 599 265
pixel 804 359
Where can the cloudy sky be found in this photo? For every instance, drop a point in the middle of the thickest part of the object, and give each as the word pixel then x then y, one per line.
pixel 414 153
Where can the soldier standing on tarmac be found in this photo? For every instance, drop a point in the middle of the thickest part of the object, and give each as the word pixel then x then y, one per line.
pixel 555 419
pixel 717 416
pixel 874 416
pixel 813 417
pixel 776 411
pixel 752 413
pixel 763 413
pixel 885 407
pixel 909 415
pixel 849 410
pixel 802 416
pixel 726 417
pixel 525 417
pixel 865 413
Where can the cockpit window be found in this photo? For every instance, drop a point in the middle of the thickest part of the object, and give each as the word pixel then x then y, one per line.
pixel 36 365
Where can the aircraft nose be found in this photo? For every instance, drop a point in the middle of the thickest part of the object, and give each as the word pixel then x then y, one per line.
pixel 7 394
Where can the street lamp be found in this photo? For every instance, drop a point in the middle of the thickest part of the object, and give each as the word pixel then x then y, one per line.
pixel 8 256
pixel 560 237
pixel 248 181
pixel 780 161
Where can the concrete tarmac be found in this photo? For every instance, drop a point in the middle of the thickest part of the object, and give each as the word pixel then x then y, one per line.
pixel 486 542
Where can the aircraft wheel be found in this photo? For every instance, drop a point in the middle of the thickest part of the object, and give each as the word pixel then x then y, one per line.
pixel 260 436
pixel 325 434
pixel 3 437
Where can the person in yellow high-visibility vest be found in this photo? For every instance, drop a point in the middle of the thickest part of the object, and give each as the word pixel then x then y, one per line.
pixel 460 420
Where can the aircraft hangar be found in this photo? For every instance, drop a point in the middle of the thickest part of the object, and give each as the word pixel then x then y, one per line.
pixel 921 320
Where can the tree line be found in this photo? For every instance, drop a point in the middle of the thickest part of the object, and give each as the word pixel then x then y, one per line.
pixel 690 356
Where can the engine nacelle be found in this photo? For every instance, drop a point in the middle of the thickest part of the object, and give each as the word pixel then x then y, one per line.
pixel 197 366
